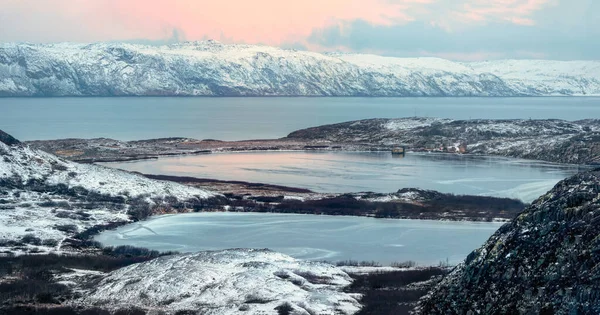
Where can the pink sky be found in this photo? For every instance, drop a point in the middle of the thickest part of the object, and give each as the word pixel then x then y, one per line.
pixel 260 21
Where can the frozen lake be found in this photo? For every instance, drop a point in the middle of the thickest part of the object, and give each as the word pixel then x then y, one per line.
pixel 310 237
pixel 341 172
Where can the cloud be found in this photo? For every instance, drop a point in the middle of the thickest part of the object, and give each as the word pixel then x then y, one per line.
pixel 515 11
pixel 458 29
pixel 266 21
pixel 495 40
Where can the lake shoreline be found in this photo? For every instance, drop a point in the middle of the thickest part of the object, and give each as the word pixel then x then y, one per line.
pixel 385 242
pixel 406 203
pixel 266 199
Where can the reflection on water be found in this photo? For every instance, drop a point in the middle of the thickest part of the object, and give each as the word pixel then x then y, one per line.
pixel 308 236
pixel 369 171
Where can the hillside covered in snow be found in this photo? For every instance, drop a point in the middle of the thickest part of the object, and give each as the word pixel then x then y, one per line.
pixel 212 69
pixel 235 281
pixel 46 201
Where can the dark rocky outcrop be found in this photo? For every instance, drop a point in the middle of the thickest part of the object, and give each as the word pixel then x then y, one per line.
pixel 546 261
pixel 8 139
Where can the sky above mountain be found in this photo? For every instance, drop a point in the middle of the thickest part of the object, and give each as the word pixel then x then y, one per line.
pixel 453 29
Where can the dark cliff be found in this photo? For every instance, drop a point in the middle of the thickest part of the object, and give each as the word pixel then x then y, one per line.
pixel 546 261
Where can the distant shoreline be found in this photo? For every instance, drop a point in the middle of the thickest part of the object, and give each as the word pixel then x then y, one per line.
pixel 549 140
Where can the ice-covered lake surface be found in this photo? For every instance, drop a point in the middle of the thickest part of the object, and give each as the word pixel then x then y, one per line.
pixel 341 172
pixel 242 118
pixel 312 237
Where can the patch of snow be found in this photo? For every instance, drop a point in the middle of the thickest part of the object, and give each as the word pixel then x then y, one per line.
pixel 27 217
pixel 412 123
pixel 299 198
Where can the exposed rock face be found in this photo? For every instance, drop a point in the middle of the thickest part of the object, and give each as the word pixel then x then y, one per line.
pixel 8 139
pixel 547 260
pixel 213 69
pixel 235 281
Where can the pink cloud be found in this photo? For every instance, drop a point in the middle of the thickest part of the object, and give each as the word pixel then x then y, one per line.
pixel 264 21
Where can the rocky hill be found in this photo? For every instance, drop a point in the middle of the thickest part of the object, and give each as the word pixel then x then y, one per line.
pixel 574 142
pixel 212 69
pixel 546 261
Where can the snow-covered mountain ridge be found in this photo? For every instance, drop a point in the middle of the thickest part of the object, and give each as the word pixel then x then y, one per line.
pixel 212 69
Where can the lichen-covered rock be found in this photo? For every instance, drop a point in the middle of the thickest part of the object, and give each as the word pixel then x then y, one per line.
pixel 547 260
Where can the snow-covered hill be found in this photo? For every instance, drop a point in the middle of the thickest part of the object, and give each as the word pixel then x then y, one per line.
pixel 45 199
pixel 214 69
pixel 235 281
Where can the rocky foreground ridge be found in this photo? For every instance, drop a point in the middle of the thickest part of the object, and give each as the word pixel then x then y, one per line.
pixel 212 69
pixel 546 261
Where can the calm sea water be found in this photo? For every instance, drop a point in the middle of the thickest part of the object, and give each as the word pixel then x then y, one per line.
pixel 135 118
pixel 369 171
pixel 308 236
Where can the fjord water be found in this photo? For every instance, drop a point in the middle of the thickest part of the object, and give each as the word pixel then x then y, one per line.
pixel 310 237
pixel 342 172
pixel 135 118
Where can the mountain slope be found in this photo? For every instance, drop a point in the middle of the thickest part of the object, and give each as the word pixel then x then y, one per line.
pixel 213 69
pixel 546 261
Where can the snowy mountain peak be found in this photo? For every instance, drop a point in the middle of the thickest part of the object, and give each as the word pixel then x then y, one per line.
pixel 214 69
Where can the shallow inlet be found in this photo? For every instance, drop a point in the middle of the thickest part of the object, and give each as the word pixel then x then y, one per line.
pixel 311 237
pixel 341 172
